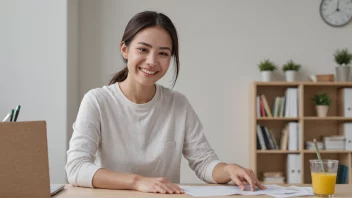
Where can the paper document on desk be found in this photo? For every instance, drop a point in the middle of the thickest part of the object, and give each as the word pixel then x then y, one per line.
pixel 271 190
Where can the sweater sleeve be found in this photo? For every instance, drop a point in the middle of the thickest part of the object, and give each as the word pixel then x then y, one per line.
pixel 80 167
pixel 196 149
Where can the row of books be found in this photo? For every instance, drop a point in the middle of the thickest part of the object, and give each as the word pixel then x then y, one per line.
pixel 283 106
pixel 289 138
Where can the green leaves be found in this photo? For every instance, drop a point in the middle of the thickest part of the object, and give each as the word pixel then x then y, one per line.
pixel 342 56
pixel 290 65
pixel 267 65
pixel 322 99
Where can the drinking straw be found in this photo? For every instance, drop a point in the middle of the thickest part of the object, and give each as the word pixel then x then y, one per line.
pixel 318 154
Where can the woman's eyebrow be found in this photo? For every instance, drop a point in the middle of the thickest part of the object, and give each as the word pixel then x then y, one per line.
pixel 146 44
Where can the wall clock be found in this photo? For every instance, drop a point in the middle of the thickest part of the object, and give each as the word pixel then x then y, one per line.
pixel 336 13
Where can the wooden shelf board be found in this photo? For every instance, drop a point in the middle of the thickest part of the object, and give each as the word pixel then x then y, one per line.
pixel 332 84
pixel 275 151
pixel 300 151
pixel 278 119
pixel 328 151
pixel 336 118
pixel 277 83
pixel 304 83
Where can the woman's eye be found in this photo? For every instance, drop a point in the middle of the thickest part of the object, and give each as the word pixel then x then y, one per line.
pixel 142 49
pixel 164 54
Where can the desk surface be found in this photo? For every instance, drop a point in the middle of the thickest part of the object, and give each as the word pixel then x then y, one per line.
pixel 342 190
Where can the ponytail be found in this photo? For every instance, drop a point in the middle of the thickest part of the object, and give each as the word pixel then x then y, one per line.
pixel 119 76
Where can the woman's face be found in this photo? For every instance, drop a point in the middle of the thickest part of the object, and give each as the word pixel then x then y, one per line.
pixel 148 55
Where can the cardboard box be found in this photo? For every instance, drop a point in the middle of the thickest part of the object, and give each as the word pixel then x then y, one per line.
pixel 24 165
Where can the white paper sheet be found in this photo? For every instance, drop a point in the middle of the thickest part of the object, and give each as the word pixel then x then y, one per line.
pixel 271 190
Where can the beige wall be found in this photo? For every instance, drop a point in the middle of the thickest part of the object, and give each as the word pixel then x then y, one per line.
pixel 221 42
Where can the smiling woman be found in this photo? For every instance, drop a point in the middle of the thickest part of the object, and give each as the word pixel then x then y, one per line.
pixel 149 35
pixel 132 133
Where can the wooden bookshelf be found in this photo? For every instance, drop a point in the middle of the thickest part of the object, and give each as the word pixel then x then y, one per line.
pixel 310 126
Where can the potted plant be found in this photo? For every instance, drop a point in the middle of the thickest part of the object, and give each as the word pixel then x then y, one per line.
pixel 322 103
pixel 291 68
pixel 266 68
pixel 343 59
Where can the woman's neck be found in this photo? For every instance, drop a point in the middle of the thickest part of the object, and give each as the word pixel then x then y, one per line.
pixel 136 92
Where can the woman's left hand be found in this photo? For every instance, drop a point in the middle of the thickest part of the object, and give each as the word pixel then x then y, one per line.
pixel 241 176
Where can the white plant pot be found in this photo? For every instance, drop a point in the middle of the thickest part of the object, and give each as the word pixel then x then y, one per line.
pixel 291 75
pixel 266 75
pixel 322 110
pixel 343 73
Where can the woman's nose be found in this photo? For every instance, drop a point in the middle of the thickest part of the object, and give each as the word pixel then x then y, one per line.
pixel 151 60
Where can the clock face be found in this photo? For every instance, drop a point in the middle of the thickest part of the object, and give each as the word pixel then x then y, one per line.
pixel 336 12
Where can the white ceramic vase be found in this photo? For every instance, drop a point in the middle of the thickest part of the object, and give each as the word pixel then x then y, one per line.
pixel 266 75
pixel 291 75
pixel 322 110
pixel 343 73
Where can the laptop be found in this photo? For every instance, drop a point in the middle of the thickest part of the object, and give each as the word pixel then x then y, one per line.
pixel 24 163
pixel 55 188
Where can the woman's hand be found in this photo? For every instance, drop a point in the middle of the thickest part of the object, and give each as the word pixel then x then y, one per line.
pixel 241 176
pixel 156 185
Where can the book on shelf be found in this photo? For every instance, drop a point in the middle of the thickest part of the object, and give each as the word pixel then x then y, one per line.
pixel 345 101
pixel 335 142
pixel 342 174
pixel 290 137
pixel 282 106
pixel 292 102
pixel 265 139
pixel 263 109
pixel 346 129
pixel 293 170
pixel 273 178
pixel 309 145
pixel 293 136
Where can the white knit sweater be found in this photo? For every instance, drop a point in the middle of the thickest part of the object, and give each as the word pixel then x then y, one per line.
pixel 146 139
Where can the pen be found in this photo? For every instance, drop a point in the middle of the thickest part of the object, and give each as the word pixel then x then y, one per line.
pixel 7 118
pixel 18 108
pixel 12 114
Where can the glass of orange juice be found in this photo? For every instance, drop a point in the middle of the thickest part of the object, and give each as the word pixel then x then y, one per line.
pixel 323 177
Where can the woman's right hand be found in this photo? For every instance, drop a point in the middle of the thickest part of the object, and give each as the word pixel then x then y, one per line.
pixel 156 185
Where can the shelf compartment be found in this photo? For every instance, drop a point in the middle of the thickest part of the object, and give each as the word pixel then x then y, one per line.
pixel 332 91
pixel 276 128
pixel 263 165
pixel 315 129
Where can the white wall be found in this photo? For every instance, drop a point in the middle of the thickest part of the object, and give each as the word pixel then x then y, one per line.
pixel 34 70
pixel 73 100
pixel 221 43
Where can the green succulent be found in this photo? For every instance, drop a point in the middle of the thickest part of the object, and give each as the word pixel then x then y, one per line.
pixel 322 99
pixel 342 56
pixel 291 66
pixel 267 65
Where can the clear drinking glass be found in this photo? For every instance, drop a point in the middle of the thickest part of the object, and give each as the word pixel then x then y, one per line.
pixel 324 182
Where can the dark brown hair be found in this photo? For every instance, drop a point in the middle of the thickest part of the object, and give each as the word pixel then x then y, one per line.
pixel 144 20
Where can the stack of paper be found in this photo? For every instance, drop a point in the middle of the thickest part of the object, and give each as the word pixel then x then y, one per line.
pixel 271 190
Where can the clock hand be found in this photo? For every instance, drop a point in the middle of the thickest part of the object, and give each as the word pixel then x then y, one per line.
pixel 338 6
